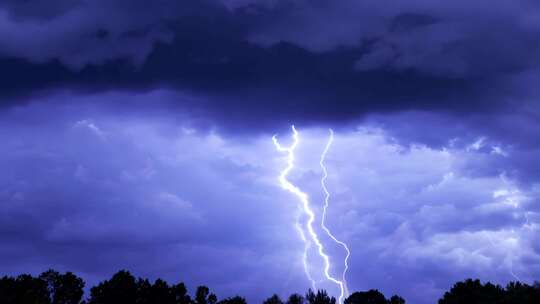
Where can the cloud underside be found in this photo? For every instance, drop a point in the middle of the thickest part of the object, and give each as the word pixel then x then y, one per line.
pixel 92 193
pixel 315 61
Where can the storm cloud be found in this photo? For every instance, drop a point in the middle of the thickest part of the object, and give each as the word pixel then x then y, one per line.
pixel 138 136
pixel 93 191
pixel 315 61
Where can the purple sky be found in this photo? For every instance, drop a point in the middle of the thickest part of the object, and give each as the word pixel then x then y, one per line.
pixel 138 136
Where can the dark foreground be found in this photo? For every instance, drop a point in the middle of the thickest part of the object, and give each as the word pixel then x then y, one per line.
pixel 52 287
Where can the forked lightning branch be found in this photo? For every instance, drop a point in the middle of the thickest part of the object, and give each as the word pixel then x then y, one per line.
pixel 311 237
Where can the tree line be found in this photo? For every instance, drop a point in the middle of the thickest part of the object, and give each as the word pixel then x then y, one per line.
pixel 52 287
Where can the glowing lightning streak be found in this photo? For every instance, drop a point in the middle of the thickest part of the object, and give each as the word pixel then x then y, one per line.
pixel 304 256
pixel 344 288
pixel 285 184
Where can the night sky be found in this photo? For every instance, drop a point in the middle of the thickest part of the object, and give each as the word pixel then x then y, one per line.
pixel 138 135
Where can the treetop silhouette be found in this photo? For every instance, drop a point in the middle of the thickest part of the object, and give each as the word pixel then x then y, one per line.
pixel 52 287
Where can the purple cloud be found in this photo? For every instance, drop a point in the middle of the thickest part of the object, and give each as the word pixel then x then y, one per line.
pixel 91 189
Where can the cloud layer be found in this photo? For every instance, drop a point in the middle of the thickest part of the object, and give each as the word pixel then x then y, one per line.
pixel 314 61
pixel 94 190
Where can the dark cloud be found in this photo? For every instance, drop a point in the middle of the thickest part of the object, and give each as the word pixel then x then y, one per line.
pixel 459 39
pixel 88 32
pixel 390 59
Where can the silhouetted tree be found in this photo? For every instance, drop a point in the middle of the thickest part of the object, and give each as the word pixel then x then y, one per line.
pixel 179 292
pixel 473 292
pixel 52 287
pixel 144 291
pixel 518 293
pixel 295 299
pixel 274 299
pixel 124 288
pixel 203 296
pixel 63 288
pixel 321 297
pixel 24 289
pixel 395 299
pixel 233 300
pixel 27 289
pixel 372 296
pixel 7 287
pixel 120 289
pixel 161 293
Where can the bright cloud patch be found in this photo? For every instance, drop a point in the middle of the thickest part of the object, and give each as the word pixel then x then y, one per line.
pixel 162 197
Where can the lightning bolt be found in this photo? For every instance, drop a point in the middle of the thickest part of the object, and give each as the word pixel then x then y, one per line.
pixel 307 246
pixel 512 271
pixel 304 199
pixel 344 288
pixel 285 184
